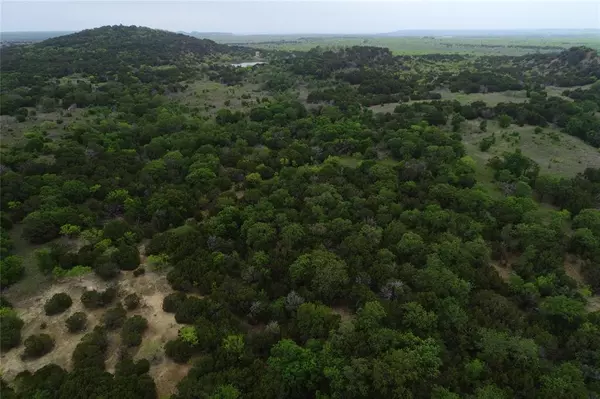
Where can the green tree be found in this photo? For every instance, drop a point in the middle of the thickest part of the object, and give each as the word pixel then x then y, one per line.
pixel 11 270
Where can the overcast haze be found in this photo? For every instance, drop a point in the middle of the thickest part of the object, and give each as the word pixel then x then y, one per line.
pixel 300 16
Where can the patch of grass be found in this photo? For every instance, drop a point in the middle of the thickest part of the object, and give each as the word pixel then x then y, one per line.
pixel 489 45
pixel 491 99
pixel 557 153
pixel 211 96
pixel 34 280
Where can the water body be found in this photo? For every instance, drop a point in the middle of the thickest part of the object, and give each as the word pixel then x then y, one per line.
pixel 248 64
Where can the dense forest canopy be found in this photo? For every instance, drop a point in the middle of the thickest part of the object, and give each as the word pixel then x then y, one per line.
pixel 316 248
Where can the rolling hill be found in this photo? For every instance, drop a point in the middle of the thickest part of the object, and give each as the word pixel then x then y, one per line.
pixel 104 51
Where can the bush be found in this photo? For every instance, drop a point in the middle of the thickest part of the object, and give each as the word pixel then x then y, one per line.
pixel 37 346
pixel 139 271
pixel 131 301
pixel 133 329
pixel 5 303
pixel 107 270
pixel 58 304
pixel 127 257
pixel 504 121
pixel 91 351
pixel 114 318
pixel 178 350
pixel 10 329
pixel 11 270
pixel 93 299
pixel 76 322
pixel 173 301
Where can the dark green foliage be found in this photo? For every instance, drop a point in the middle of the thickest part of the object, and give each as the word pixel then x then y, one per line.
pixel 173 301
pixel 91 351
pixel 76 322
pixel 114 318
pixel 11 270
pixel 37 346
pixel 10 329
pixel 179 350
pixel 58 304
pixel 140 271
pixel 5 303
pixel 133 329
pixel 44 382
pixel 107 270
pixel 131 301
pixel 93 299
pixel 127 257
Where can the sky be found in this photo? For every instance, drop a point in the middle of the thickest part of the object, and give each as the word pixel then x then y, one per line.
pixel 281 16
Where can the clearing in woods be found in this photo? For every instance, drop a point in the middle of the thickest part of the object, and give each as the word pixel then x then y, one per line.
pixel 162 327
pixel 557 153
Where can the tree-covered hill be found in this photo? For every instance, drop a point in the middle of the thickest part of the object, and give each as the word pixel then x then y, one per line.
pixel 104 52
pixel 93 67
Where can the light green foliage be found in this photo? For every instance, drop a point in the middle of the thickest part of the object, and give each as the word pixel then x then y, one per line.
pixel 226 392
pixel 294 366
pixel 70 230
pixel 189 335
pixel 233 344
pixel 77 271
pixel 158 262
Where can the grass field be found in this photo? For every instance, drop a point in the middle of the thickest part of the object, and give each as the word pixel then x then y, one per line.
pixel 212 96
pixel 490 45
pixel 557 153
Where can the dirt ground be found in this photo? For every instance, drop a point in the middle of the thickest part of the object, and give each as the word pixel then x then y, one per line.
pixel 151 287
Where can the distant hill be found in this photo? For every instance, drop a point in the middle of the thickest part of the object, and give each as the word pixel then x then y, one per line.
pixel 572 67
pixel 106 51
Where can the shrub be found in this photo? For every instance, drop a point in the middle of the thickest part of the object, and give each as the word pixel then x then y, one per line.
pixel 76 322
pixel 10 329
pixel 5 303
pixel 91 351
pixel 139 271
pixel 504 121
pixel 107 270
pixel 131 301
pixel 133 329
pixel 93 299
pixel 58 304
pixel 173 301
pixel 127 257
pixel 11 270
pixel 178 350
pixel 37 346
pixel 114 318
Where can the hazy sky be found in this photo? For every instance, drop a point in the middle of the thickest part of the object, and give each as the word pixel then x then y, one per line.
pixel 299 16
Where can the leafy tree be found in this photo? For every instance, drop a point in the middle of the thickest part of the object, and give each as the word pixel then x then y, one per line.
pixel 76 322
pixel 11 270
pixel 114 318
pixel 133 328
pixel 10 329
pixel 38 345
pixel 58 304
pixel 294 368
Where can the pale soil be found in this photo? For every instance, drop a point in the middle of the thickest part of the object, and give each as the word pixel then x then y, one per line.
pixel 151 287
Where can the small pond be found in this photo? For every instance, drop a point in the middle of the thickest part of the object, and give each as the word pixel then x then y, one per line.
pixel 248 64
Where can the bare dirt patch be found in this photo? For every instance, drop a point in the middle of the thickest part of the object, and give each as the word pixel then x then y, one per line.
pixel 503 270
pixel 150 287
pixel 573 268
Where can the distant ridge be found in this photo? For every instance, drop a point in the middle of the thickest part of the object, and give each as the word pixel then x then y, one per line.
pixel 108 50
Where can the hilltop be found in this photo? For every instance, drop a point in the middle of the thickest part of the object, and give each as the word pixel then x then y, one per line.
pixel 104 51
